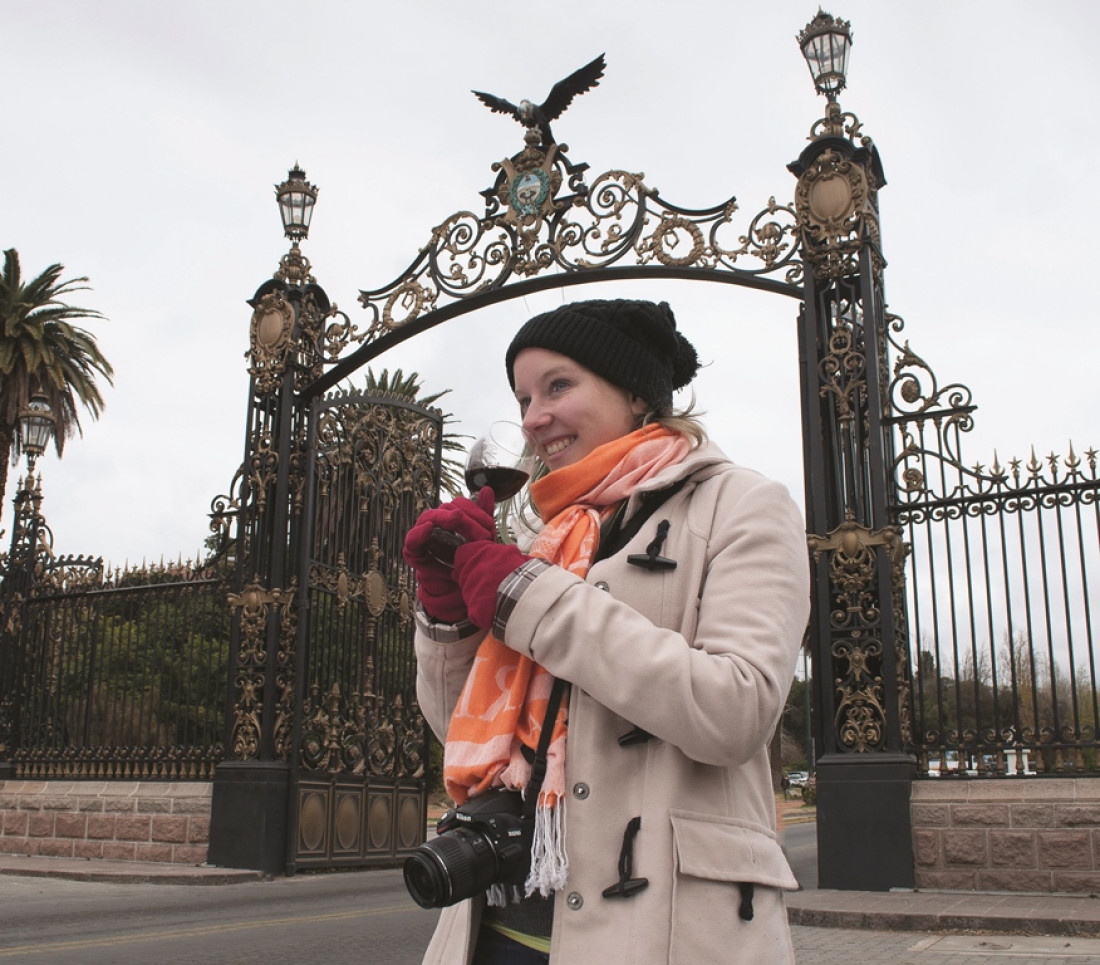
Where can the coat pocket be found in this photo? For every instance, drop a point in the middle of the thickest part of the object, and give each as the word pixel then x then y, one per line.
pixel 717 862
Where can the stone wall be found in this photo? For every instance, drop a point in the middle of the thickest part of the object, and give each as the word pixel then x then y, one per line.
pixel 1031 834
pixel 118 820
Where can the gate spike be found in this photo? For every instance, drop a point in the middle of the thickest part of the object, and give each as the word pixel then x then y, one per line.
pixel 1072 460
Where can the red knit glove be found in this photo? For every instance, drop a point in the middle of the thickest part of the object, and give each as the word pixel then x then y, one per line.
pixel 440 596
pixel 470 522
pixel 479 570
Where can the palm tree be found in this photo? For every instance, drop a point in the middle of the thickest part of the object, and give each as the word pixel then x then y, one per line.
pixel 42 351
pixel 409 387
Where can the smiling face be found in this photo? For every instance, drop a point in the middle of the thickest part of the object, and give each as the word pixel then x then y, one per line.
pixel 568 409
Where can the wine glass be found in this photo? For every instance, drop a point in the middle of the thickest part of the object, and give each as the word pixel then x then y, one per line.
pixel 503 459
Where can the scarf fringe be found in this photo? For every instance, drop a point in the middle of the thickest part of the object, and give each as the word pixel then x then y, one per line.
pixel 549 862
pixel 500 896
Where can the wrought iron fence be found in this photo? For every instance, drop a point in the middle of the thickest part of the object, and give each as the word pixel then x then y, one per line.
pixel 120 675
pixel 1002 593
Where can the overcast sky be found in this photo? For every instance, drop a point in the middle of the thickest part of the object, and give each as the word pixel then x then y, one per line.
pixel 143 141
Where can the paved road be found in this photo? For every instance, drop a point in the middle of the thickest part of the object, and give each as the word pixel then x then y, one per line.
pixel 366 918
pixel 800 847
pixel 360 917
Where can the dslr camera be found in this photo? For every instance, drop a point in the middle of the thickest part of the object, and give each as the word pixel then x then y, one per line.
pixel 483 842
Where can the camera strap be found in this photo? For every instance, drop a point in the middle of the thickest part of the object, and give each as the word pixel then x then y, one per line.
pixel 538 766
pixel 612 543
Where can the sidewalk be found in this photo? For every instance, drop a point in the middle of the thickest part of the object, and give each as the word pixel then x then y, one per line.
pixel 943 911
pixel 1005 914
pixel 938 911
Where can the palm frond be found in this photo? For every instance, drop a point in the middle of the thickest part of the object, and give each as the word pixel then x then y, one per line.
pixel 42 349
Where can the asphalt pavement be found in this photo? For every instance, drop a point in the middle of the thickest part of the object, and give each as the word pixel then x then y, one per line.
pixel 919 911
pixel 919 927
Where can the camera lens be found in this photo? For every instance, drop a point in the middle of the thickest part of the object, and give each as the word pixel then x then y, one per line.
pixel 426 880
pixel 454 866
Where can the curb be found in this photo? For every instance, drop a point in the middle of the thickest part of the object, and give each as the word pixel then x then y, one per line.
pixel 124 872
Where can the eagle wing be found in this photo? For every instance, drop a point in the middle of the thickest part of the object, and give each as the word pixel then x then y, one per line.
pixel 563 92
pixel 498 105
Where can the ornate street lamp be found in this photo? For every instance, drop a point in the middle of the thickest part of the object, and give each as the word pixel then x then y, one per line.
pixel 296 200
pixel 825 42
pixel 296 197
pixel 36 428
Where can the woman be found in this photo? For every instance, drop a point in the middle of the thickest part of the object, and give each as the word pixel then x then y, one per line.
pixel 669 587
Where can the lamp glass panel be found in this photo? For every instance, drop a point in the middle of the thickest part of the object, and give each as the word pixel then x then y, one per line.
pixel 36 430
pixel 292 207
pixel 827 56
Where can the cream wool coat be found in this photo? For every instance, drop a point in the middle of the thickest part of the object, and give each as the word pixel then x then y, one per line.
pixel 701 657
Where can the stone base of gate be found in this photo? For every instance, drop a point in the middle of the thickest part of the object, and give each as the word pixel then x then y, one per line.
pixel 115 820
pixel 1022 834
pixel 346 821
pixel 863 841
pixel 248 815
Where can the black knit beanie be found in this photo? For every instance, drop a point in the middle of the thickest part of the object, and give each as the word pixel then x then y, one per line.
pixel 632 344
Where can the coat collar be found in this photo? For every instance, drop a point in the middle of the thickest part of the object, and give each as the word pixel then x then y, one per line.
pixel 701 463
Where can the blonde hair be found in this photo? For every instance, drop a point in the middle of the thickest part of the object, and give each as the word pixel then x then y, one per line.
pixel 685 421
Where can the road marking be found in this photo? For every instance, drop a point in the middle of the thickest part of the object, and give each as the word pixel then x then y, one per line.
pixel 197 930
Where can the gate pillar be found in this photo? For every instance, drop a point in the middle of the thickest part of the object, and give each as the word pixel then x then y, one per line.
pixel 857 635
pixel 23 561
pixel 250 803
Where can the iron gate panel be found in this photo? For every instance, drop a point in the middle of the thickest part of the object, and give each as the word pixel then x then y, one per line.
pixel 360 764
pixel 116 675
pixel 1002 591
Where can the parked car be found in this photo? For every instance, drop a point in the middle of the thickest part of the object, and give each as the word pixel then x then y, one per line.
pixel 949 765
pixel 797 778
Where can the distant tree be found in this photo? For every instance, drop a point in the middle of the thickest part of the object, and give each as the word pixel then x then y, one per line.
pixel 793 721
pixel 146 664
pixel 41 350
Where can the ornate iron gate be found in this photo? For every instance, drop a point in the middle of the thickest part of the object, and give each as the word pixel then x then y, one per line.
pixel 359 771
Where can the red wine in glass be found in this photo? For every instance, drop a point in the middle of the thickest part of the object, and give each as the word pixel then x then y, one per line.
pixel 504 481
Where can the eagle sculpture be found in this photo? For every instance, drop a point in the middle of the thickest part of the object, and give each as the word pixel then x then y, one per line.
pixel 561 96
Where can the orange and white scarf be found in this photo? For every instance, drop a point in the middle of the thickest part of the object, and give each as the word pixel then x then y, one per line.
pixel 503 703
